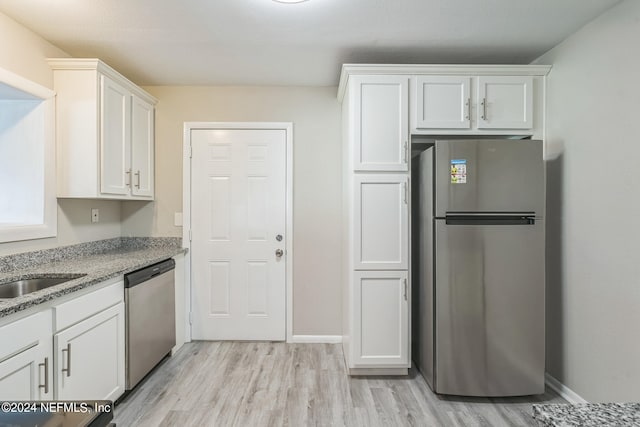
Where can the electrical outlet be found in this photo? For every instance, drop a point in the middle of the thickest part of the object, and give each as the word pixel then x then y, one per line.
pixel 95 215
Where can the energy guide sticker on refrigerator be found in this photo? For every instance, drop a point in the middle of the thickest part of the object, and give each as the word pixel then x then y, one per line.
pixel 458 171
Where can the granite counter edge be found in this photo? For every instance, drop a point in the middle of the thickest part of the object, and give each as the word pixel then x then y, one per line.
pixel 31 300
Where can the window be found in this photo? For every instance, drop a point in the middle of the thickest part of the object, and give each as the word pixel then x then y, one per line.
pixel 27 160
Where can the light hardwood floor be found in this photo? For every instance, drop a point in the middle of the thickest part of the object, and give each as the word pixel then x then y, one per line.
pixel 276 384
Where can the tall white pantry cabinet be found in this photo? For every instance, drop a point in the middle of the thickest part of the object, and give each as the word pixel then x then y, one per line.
pixel 383 107
pixel 376 223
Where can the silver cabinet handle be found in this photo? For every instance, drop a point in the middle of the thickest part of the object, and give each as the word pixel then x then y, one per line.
pixel 128 174
pixel 406 152
pixel 46 375
pixel 279 253
pixel 405 289
pixel 68 368
pixel 484 108
pixel 468 109
pixel 137 174
pixel 406 192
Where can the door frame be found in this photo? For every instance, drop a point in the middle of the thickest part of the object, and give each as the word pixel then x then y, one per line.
pixel 186 208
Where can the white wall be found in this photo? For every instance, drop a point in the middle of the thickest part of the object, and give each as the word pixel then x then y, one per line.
pixel 315 113
pixel 24 52
pixel 593 257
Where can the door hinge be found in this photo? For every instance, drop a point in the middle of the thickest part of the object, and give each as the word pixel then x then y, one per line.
pixel 189 235
pixel 190 318
pixel 190 151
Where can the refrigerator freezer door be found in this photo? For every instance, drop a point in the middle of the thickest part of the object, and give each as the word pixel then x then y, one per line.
pixel 489 176
pixel 489 301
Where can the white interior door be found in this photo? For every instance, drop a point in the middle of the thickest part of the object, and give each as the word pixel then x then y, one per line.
pixel 238 223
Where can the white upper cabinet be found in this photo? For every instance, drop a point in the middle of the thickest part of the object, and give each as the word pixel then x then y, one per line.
pixel 443 102
pixel 115 138
pixel 104 132
pixel 506 102
pixel 142 138
pixel 381 123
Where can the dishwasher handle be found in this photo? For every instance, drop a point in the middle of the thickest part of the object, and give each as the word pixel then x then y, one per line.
pixel 139 276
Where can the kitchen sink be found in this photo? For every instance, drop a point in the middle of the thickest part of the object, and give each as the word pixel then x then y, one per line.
pixel 26 286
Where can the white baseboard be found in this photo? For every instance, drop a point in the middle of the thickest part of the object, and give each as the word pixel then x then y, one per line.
pixel 565 392
pixel 316 339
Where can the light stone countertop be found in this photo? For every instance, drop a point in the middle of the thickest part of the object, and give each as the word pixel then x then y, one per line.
pixel 100 261
pixel 587 415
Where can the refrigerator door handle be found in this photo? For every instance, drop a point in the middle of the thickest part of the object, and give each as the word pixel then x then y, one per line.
pixel 524 218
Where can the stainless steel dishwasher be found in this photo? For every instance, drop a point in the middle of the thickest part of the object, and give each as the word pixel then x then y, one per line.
pixel 150 318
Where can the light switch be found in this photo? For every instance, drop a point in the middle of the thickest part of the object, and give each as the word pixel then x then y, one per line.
pixel 95 215
pixel 177 219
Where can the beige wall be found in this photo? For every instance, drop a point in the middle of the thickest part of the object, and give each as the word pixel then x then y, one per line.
pixel 315 114
pixel 593 254
pixel 24 52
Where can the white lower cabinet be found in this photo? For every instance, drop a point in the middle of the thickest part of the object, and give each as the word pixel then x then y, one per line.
pixel 90 357
pixel 71 351
pixel 89 345
pixel 381 319
pixel 26 363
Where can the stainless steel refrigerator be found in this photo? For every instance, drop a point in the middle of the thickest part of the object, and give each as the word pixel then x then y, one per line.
pixel 479 254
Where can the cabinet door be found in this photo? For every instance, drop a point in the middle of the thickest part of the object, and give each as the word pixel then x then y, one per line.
pixel 142 143
pixel 89 357
pixel 443 102
pixel 26 370
pixel 505 102
pixel 381 323
pixel 380 123
pixel 115 138
pixel 381 222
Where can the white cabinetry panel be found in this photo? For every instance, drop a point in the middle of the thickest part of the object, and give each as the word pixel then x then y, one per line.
pixel 115 138
pixel 443 102
pixel 381 114
pixel 381 222
pixel 505 102
pixel 142 145
pixel 90 357
pixel 26 369
pixel 381 318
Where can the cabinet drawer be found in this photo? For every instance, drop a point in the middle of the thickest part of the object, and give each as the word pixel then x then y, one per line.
pixel 83 307
pixel 23 334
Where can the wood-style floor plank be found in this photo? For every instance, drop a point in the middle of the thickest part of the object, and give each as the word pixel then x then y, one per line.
pixel 277 384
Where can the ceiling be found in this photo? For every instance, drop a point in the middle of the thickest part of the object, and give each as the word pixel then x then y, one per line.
pixel 261 42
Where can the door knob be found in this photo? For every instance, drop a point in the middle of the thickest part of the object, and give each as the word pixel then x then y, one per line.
pixel 279 252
